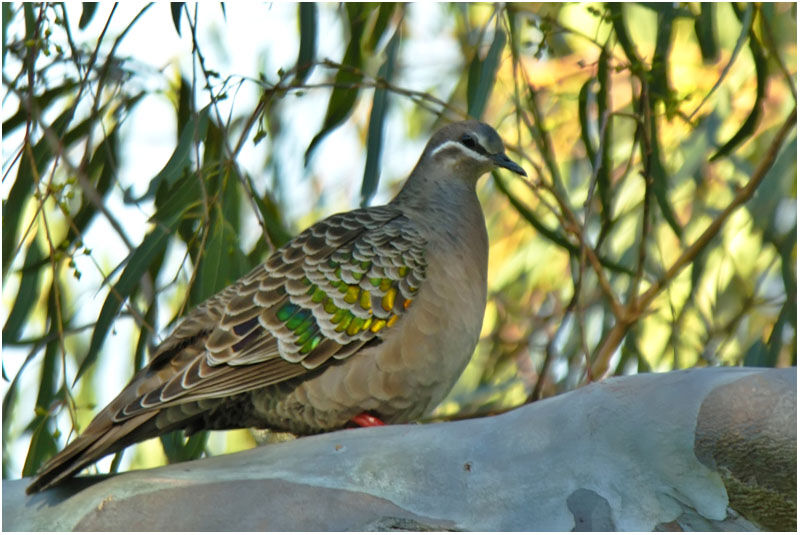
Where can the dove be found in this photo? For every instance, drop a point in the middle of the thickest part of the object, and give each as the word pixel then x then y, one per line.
pixel 367 317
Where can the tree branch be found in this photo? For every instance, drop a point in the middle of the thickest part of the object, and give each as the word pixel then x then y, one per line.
pixel 704 449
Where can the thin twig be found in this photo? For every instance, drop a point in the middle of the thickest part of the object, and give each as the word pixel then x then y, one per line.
pixel 229 153
pixel 617 333
pixel 743 195
pixel 643 130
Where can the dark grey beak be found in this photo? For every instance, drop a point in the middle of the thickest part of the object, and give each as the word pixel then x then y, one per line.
pixel 501 160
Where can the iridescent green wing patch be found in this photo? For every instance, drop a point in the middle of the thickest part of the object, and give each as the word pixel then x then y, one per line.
pixel 347 280
pixel 339 285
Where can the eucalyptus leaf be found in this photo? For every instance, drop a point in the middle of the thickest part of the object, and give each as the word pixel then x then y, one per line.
pixel 478 92
pixel 377 119
pixel 307 12
pixel 175 10
pixel 87 14
pixel 346 90
pixel 194 130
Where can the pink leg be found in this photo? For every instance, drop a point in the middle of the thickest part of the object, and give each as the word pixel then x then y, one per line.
pixel 366 420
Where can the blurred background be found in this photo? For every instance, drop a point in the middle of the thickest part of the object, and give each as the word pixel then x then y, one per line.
pixel 154 153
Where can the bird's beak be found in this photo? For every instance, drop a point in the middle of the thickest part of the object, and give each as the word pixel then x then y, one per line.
pixel 501 160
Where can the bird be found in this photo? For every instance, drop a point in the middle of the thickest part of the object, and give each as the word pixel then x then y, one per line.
pixel 367 317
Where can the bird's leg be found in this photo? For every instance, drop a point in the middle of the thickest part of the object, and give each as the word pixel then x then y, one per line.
pixel 365 419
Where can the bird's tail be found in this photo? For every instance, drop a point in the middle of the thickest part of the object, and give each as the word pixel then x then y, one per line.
pixel 102 437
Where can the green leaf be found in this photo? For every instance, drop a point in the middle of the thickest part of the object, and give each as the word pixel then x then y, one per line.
pixel 478 92
pixel 8 14
pixel 87 14
pixel 513 31
pixel 185 108
pixel 583 119
pixel 695 147
pixel 115 462
pixel 10 399
pixel 222 262
pixel 194 130
pixel 22 189
pixel 699 266
pixel 140 353
pixel 52 354
pixel 270 211
pixel 706 33
pixel 661 191
pixel 307 13
pixel 473 74
pixel 788 315
pixel 173 203
pixel 659 175
pixel 758 355
pixel 30 21
pixel 175 10
pixel 345 93
pixel 788 251
pixel 102 165
pixel 137 264
pixel 747 23
pixel 213 164
pixel 42 447
pixel 751 123
pixel 779 183
pixel 178 450
pixel 12 210
pixel 377 119
pixel 606 140
pixel 664 7
pixel 385 12
pixel 26 295
pixel 621 31
pixel 551 235
pixel 775 342
pixel 42 102
pixel 660 87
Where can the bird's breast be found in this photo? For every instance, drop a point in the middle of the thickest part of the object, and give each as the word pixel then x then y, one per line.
pixel 421 356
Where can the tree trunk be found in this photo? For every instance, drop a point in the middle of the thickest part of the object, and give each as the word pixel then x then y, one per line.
pixel 699 449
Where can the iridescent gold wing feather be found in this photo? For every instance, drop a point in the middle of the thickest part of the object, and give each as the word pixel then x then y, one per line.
pixel 334 288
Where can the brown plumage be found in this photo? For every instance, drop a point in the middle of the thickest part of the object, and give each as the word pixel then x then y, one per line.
pixel 375 310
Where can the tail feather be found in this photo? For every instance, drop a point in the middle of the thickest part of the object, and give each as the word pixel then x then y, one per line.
pixel 93 445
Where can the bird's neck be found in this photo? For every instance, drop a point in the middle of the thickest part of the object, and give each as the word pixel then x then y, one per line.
pixel 425 190
pixel 449 211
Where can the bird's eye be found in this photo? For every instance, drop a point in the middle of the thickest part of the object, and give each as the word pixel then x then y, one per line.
pixel 469 142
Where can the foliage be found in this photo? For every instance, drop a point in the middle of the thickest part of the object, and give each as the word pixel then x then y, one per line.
pixel 658 231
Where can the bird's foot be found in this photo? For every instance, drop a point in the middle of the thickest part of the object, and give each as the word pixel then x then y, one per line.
pixel 366 420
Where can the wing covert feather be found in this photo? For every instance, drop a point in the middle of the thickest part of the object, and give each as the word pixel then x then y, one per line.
pixel 334 288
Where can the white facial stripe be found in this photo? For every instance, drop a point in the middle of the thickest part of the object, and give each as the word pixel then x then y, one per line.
pixel 460 146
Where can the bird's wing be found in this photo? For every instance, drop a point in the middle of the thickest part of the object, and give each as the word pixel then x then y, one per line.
pixel 334 288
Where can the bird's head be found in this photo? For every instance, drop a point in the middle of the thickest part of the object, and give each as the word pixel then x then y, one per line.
pixel 467 149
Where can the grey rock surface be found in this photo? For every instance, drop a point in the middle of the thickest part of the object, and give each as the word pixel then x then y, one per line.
pixel 620 454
